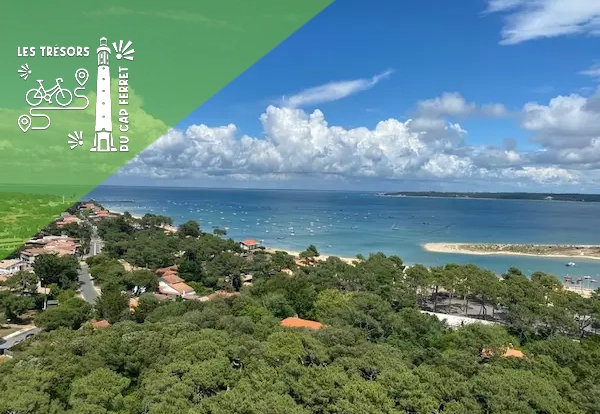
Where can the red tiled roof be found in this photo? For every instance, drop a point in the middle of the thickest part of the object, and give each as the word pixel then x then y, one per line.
pixel 170 269
pixel 34 250
pixel 101 324
pixel 62 247
pixel 181 287
pixel 508 352
pixel 250 242
pixel 513 353
pixel 133 303
pixel 301 323
pixel 67 220
pixel 171 278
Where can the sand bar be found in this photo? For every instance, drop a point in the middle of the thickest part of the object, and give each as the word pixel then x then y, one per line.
pixel 538 250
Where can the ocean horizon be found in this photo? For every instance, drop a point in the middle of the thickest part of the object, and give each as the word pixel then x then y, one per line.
pixel 347 223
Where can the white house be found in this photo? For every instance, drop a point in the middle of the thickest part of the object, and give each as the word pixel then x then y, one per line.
pixel 171 284
pixel 249 244
pixel 11 266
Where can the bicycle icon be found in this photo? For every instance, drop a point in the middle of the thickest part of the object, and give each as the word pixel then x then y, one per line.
pixel 36 96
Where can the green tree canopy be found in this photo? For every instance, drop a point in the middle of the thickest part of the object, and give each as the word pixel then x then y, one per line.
pixel 61 270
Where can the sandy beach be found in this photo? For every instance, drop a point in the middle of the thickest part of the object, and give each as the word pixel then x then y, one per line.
pixel 551 251
pixel 349 260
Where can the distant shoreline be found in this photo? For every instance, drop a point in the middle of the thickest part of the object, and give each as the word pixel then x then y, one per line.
pixel 591 252
pixel 571 197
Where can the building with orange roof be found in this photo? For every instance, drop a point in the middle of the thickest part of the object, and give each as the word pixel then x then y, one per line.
pixel 102 215
pixel 504 352
pixel 171 278
pixel 249 244
pixel 100 324
pixel 62 247
pixel 182 289
pixel 513 353
pixel 169 283
pixel 133 303
pixel 169 269
pixel 294 322
pixel 68 219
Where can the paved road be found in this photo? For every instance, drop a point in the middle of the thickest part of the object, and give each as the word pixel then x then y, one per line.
pixel 86 285
pixel 87 289
pixel 14 340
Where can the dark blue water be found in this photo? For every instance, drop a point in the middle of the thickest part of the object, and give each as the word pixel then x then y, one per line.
pixel 349 223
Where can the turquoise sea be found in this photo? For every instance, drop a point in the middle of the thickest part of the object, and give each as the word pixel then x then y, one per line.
pixel 348 223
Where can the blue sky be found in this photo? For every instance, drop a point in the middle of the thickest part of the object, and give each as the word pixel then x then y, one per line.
pixel 481 66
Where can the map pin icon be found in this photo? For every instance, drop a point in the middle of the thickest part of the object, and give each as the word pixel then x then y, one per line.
pixel 24 122
pixel 81 76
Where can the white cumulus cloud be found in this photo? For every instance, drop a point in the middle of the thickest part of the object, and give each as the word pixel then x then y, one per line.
pixel 568 128
pixel 454 104
pixel 296 143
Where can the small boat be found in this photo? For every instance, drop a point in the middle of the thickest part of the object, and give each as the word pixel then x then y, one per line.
pixel 570 264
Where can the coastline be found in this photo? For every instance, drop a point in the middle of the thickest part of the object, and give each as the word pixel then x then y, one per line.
pixel 466 248
pixel 322 257
pixel 456 248
pixel 269 249
pixel 463 248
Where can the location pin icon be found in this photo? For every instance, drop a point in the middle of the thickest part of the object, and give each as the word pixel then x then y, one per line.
pixel 24 122
pixel 81 76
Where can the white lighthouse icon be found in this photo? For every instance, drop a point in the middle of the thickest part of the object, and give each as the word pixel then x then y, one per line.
pixel 103 137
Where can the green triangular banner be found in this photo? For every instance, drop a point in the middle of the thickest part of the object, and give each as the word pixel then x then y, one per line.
pixel 112 76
